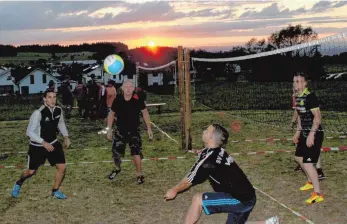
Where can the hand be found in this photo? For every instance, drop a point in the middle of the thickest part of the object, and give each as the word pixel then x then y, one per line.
pixel 109 134
pixel 67 142
pixel 296 137
pixel 150 133
pixel 48 146
pixel 310 139
pixel 170 195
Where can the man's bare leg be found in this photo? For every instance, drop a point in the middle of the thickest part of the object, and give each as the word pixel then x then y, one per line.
pixel 195 210
pixel 299 160
pixel 138 164
pixel 59 175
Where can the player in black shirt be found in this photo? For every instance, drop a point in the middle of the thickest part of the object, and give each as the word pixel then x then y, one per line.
pixel 295 117
pixel 234 194
pixel 309 136
pixel 126 109
pixel 42 131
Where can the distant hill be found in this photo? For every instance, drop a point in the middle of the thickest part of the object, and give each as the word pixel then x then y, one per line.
pixel 153 57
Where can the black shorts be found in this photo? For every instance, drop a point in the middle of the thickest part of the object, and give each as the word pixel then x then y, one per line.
pixel 310 155
pixel 220 202
pixel 122 137
pixel 37 156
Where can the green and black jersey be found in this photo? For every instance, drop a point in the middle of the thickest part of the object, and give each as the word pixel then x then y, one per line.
pixel 307 102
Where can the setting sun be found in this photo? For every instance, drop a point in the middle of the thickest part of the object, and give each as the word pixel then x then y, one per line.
pixel 151 44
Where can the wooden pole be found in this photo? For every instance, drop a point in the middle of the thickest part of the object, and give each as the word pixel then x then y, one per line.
pixel 180 66
pixel 187 100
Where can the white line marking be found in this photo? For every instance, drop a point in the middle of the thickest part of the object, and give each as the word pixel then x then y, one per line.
pixel 283 205
pixel 164 133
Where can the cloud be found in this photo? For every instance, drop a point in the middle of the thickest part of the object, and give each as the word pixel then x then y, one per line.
pixel 150 11
pixel 332 20
pixel 50 15
pixel 41 15
pixel 272 11
pixel 340 4
pixel 323 6
pixel 45 15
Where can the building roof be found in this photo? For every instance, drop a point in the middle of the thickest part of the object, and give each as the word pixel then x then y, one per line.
pixel 17 80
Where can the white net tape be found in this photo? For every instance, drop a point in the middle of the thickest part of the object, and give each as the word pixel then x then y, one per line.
pixel 277 51
pixel 159 67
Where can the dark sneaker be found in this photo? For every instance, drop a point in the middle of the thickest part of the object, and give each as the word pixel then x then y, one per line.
pixel 298 168
pixel 140 179
pixel 321 175
pixel 113 174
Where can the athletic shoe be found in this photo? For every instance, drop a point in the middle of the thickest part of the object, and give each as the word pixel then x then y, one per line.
pixel 273 220
pixel 315 197
pixel 307 186
pixel 103 131
pixel 59 195
pixel 15 191
pixel 140 179
pixel 113 174
pixel 298 168
pixel 321 175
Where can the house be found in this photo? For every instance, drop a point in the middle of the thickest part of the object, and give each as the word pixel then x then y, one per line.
pixel 96 70
pixel 56 74
pixel 35 82
pixel 7 83
pixel 158 80
pixel 120 78
pixel 3 69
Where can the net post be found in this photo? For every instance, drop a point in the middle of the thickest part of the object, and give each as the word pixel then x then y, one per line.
pixel 180 65
pixel 187 77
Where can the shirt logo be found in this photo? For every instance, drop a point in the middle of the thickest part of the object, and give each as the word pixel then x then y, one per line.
pixel 47 119
pixel 301 103
pixel 57 116
pixel 308 160
pixel 229 161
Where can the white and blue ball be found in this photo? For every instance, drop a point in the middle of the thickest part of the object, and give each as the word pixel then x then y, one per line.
pixel 113 64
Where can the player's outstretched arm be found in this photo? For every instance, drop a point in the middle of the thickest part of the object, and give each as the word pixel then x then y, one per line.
pixel 184 184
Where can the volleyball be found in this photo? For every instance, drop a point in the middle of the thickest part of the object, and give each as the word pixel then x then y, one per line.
pixel 113 64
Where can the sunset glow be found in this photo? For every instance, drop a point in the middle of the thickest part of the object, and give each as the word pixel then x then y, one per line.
pixel 151 44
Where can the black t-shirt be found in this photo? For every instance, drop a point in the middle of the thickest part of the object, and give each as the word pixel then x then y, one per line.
pixel 223 173
pixel 128 112
pixel 49 123
pixel 93 90
pixel 304 104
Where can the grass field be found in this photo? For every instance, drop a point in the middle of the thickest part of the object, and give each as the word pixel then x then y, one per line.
pixel 92 198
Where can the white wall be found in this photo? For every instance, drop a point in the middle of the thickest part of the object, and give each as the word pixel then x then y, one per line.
pixel 119 79
pixel 4 81
pixel 155 79
pixel 38 85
